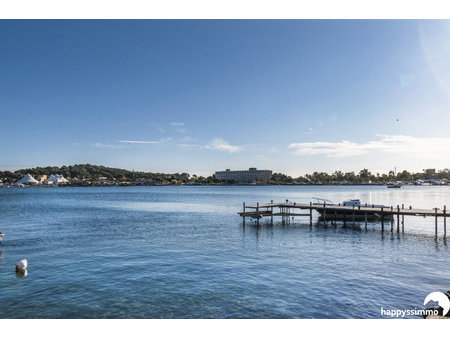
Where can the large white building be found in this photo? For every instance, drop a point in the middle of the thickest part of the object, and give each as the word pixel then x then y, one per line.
pixel 252 175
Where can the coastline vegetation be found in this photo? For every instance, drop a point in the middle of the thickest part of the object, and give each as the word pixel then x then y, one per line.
pixel 88 174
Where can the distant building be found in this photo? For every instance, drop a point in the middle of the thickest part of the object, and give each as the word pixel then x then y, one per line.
pixel 252 175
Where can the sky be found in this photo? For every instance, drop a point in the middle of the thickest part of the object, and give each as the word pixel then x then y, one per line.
pixel 196 96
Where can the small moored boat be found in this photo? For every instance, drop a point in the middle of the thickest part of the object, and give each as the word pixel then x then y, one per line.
pixel 359 212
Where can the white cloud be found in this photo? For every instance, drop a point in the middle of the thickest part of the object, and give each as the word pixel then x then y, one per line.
pixel 406 145
pixel 139 142
pixel 102 145
pixel 177 124
pixel 188 145
pixel 219 144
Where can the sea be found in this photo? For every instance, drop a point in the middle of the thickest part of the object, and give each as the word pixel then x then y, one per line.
pixel 183 252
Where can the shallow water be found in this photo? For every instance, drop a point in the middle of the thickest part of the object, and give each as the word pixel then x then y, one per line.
pixel 182 252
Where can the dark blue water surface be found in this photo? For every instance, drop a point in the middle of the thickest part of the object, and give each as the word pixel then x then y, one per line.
pixel 182 252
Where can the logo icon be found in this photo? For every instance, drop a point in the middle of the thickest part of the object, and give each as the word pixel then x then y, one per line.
pixel 439 298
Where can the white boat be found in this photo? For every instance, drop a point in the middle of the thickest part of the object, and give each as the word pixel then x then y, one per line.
pixel 355 213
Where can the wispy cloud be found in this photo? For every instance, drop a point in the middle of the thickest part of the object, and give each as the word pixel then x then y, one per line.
pixel 102 145
pixel 162 130
pixel 139 142
pixel 189 145
pixel 219 144
pixel 177 124
pixel 407 145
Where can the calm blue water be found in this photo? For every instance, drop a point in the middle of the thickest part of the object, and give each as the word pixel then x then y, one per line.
pixel 182 252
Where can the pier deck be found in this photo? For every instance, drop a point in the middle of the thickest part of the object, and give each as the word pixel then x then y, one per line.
pixel 327 211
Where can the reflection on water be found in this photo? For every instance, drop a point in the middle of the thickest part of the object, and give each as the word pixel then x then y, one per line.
pixel 21 273
pixel 196 260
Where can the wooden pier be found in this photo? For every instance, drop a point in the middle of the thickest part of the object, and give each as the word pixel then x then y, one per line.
pixel 288 210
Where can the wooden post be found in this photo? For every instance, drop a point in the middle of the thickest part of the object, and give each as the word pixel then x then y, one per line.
pixel 382 219
pixel 310 214
pixel 365 220
pixel 403 223
pixel 243 217
pixel 345 218
pixel 335 218
pixel 271 212
pixel 445 221
pixel 435 222
pixel 398 218
pixel 257 213
pixel 353 218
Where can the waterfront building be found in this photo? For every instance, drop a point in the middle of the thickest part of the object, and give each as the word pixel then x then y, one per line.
pixel 250 176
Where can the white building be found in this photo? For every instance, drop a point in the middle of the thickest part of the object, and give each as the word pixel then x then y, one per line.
pixel 252 175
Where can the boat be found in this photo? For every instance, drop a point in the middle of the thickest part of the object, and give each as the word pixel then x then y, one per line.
pixel 359 212
pixel 394 185
pixel 323 201
pixel 1 236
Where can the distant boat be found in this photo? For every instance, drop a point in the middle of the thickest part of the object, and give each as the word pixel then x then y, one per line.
pixel 359 213
pixel 394 185
pixel 1 236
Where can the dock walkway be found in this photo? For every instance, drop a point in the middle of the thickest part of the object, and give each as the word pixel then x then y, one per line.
pixel 333 212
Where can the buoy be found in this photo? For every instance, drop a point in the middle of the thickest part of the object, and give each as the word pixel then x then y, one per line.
pixel 22 265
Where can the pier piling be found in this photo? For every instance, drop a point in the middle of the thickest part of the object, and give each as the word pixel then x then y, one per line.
pixel 271 212
pixel 310 214
pixel 445 221
pixel 257 214
pixel 435 221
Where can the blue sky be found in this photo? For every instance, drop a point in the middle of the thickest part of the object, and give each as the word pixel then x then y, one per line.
pixel 198 96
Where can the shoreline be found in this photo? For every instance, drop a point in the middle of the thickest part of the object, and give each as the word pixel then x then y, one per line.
pixel 213 185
